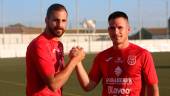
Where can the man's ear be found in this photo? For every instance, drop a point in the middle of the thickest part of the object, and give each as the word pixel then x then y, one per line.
pixel 129 29
pixel 46 20
pixel 107 28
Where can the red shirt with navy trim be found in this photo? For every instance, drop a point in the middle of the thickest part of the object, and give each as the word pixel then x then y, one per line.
pixel 123 72
pixel 44 57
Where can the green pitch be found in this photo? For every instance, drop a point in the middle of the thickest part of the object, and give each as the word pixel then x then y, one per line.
pixel 12 77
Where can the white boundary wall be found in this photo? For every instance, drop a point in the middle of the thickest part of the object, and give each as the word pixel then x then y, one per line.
pixel 16 44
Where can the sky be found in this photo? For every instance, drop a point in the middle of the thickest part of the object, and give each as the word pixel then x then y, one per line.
pixel 147 13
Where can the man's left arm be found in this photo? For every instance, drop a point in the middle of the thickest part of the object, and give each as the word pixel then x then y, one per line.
pixel 150 75
pixel 153 90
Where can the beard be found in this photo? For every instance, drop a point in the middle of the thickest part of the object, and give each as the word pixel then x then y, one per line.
pixel 57 32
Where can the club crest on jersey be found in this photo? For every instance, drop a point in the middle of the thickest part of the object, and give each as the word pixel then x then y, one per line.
pixel 131 60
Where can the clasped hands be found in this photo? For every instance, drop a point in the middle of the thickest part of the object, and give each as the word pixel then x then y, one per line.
pixel 77 53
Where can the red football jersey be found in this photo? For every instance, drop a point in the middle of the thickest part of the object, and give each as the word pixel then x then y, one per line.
pixel 44 57
pixel 122 71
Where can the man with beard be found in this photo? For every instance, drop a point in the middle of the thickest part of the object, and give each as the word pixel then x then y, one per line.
pixel 45 69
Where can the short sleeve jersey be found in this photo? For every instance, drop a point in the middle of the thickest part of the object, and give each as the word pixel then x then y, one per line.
pixel 44 57
pixel 123 71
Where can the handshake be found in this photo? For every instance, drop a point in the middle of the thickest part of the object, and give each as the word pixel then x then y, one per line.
pixel 77 53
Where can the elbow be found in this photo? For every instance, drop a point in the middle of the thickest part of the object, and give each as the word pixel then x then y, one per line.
pixel 52 83
pixel 53 87
pixel 86 88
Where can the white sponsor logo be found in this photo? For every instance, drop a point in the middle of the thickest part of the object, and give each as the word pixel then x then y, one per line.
pixel 118 71
pixel 117 91
pixel 112 81
pixel 131 60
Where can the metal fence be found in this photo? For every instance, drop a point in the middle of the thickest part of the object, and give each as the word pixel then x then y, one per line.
pixel 15 45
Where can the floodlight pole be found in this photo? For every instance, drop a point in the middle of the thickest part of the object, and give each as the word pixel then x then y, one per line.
pixel 41 13
pixel 3 25
pixel 77 17
pixel 140 20
pixel 167 20
pixel 77 20
pixel 110 6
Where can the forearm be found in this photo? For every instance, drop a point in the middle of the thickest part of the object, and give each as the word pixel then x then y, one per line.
pixel 61 77
pixel 82 75
pixel 58 79
pixel 84 79
pixel 153 90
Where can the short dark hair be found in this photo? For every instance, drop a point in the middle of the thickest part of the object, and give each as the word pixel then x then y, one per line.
pixel 117 14
pixel 55 7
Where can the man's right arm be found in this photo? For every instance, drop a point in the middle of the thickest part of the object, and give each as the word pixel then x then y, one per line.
pixel 84 79
pixel 56 80
pixel 59 79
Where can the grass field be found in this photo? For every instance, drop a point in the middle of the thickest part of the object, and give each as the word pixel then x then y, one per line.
pixel 12 77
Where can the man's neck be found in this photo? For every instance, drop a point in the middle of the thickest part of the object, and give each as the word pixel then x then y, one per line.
pixel 121 46
pixel 51 35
